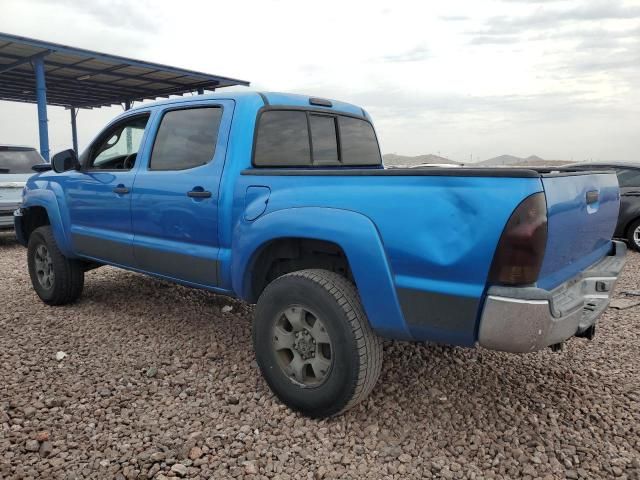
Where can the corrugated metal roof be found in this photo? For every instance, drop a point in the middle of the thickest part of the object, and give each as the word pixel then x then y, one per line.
pixel 86 79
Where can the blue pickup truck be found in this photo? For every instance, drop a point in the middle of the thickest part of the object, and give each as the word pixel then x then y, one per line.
pixel 283 201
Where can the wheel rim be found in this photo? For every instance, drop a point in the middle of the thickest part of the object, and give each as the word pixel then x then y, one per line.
pixel 44 267
pixel 302 346
pixel 636 236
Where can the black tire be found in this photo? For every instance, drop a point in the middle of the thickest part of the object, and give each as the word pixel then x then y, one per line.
pixel 633 243
pixel 67 279
pixel 356 352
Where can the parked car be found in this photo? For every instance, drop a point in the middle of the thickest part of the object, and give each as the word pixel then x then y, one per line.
pixel 282 200
pixel 628 226
pixel 15 169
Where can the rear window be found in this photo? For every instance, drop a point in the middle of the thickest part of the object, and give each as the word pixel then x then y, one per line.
pixel 186 138
pixel 14 160
pixel 301 138
pixel 628 177
pixel 283 139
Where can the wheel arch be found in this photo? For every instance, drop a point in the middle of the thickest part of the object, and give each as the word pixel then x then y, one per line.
pixel 353 236
pixel 41 208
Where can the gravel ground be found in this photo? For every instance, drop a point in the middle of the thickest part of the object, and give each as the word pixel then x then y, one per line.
pixel 160 381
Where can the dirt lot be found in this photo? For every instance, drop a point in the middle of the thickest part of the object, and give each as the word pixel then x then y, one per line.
pixel 160 381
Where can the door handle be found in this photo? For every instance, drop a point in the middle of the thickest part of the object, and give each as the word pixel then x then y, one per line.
pixel 199 194
pixel 121 190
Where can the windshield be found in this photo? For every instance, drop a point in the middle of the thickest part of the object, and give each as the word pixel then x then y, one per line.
pixel 18 160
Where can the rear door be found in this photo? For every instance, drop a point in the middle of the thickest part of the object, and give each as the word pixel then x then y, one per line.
pixel 175 195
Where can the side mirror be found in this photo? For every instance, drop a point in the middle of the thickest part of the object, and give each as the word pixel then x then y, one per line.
pixel 65 160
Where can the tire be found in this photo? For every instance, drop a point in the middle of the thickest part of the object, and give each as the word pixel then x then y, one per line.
pixel 631 237
pixel 342 363
pixel 56 279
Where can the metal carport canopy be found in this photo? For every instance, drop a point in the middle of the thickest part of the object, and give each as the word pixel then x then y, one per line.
pixel 35 71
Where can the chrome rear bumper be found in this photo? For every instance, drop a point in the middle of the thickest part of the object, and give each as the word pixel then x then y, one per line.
pixel 525 319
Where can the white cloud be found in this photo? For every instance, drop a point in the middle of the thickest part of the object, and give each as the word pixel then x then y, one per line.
pixel 554 78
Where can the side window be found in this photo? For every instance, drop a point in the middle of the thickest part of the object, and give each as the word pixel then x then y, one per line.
pixel 282 139
pixel 324 139
pixel 186 138
pixel 628 177
pixel 358 142
pixel 118 147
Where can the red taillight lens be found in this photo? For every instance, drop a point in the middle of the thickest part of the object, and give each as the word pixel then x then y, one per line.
pixel 520 251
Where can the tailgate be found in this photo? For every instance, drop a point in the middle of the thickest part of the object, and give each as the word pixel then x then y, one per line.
pixel 582 215
pixel 11 186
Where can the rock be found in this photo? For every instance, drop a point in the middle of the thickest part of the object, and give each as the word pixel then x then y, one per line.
pixel 61 356
pixel 46 449
pixel 152 372
pixel 32 446
pixel 195 453
pixel 233 400
pixel 405 458
pixel 42 436
pixel 157 457
pixel 29 412
pixel 179 469
pixel 227 309
pixel 104 392
pixel 250 468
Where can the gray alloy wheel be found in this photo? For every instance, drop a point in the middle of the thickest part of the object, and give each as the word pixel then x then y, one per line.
pixel 636 237
pixel 313 342
pixel 57 280
pixel 44 267
pixel 633 235
pixel 302 346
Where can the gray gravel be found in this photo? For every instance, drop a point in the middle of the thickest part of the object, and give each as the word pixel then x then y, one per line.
pixel 160 381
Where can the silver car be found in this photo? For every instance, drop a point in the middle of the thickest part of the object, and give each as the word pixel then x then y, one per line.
pixel 15 169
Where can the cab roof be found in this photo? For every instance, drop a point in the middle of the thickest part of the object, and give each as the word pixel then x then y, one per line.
pixel 268 98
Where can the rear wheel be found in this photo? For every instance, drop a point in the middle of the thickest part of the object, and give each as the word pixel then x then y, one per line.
pixel 56 279
pixel 633 235
pixel 313 343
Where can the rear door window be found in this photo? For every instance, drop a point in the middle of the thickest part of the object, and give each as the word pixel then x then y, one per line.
pixel 186 138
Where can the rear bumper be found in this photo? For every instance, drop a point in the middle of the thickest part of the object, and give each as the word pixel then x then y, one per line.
pixel 525 319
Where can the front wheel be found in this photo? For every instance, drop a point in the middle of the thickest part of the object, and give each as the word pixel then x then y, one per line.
pixel 313 343
pixel 56 279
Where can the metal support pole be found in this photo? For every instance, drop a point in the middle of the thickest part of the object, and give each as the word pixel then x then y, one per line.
pixel 41 96
pixel 127 106
pixel 74 129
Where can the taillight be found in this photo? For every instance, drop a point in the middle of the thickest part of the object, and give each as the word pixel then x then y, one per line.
pixel 520 251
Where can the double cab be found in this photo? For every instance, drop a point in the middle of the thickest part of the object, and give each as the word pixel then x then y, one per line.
pixel 283 201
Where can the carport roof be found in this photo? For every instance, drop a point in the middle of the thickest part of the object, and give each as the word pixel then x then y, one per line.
pixel 86 79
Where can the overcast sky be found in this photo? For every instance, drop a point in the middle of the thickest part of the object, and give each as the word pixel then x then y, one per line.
pixel 462 78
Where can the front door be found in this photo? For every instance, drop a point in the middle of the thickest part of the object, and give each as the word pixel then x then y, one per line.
pixel 99 195
pixel 175 194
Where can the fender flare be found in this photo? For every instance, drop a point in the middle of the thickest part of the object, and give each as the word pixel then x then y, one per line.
pixel 47 199
pixel 355 233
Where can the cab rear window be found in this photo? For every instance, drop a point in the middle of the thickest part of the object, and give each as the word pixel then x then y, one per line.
pixel 305 138
pixel 18 160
